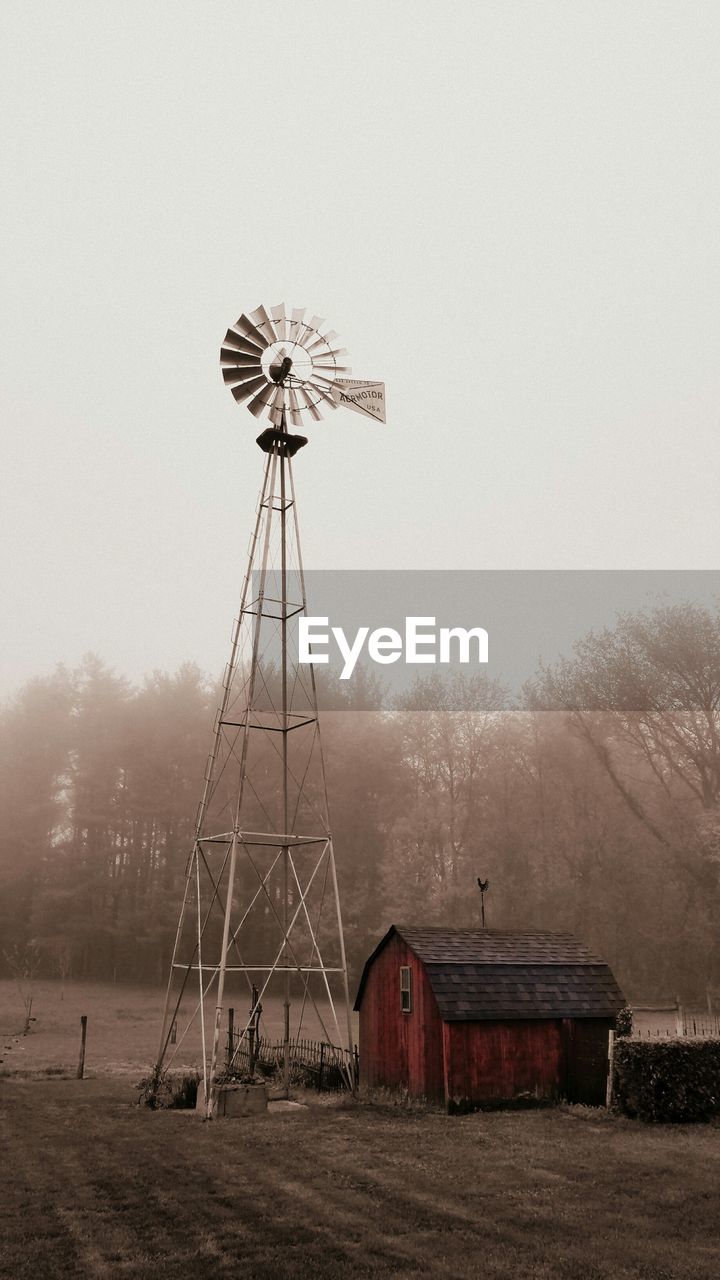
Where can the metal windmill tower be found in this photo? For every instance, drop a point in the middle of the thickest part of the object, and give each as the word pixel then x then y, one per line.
pixel 261 902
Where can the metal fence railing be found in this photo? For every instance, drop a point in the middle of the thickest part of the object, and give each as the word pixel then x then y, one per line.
pixel 313 1062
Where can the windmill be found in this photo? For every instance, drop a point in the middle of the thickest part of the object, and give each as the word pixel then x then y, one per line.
pixel 261 903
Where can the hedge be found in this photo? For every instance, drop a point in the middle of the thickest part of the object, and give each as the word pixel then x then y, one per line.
pixel 667 1081
pixel 624 1022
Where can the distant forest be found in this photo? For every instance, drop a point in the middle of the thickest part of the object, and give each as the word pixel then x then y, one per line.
pixel 591 805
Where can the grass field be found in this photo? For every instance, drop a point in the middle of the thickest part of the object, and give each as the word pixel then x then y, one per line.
pixel 123 1028
pixel 96 1186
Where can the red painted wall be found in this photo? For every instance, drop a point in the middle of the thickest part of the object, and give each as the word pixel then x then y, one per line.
pixel 490 1062
pixel 469 1064
pixel 400 1049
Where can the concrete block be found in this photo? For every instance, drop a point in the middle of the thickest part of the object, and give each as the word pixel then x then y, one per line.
pixel 236 1100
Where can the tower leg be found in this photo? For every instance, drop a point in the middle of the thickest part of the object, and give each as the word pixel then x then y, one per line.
pixel 285 730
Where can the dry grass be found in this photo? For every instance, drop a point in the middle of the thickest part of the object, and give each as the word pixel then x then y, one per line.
pixel 123 1028
pixel 99 1187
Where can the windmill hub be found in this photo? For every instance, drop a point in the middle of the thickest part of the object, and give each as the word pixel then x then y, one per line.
pixel 286 364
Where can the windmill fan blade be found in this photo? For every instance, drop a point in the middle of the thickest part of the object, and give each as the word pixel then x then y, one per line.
pixel 229 356
pixel 294 408
pixel 323 339
pixel 322 393
pixel 233 339
pixel 303 398
pixel 261 400
pixel 262 320
pixel 247 389
pixel 296 325
pixel 327 358
pixel 281 404
pixel 250 331
pixel 275 412
pixel 314 412
pixel 317 345
pixel 237 374
pixel 280 321
pixel 333 352
pixel 278 405
pixel 303 336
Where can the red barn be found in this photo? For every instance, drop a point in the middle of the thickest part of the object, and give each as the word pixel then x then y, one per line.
pixel 477 1017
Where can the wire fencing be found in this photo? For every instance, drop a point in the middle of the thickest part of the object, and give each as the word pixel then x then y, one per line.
pixel 674 1022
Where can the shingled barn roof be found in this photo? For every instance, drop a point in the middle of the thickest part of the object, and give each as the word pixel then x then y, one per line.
pixel 483 974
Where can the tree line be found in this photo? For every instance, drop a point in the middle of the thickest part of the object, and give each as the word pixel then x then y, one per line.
pixel 591 804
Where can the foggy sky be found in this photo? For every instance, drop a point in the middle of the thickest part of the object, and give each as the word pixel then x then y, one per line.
pixel 508 210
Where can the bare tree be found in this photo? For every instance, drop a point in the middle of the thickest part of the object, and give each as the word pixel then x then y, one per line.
pixel 61 955
pixel 645 697
pixel 24 962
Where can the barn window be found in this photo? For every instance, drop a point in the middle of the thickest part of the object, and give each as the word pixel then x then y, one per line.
pixel 405 989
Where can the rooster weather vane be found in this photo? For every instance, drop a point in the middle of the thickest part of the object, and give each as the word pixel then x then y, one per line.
pixel 483 886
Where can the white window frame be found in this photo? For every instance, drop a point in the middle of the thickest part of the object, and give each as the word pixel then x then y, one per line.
pixel 406 1001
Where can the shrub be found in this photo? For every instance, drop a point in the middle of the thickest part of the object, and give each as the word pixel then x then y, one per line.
pixel 667 1081
pixel 624 1022
pixel 184 1091
pixel 161 1091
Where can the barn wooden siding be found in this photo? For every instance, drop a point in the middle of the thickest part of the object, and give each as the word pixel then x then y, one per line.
pixel 401 1050
pixel 493 1062
pixel 488 1063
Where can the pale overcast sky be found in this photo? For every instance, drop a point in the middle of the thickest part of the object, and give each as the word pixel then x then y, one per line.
pixel 509 211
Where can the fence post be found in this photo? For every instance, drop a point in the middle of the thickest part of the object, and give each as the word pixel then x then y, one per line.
pixel 322 1058
pixel 83 1038
pixel 254 1030
pixel 356 1057
pixel 679 1020
pixel 611 1056
pixel 231 1036
pixel 173 1032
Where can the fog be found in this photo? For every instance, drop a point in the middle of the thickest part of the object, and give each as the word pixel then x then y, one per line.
pixel 509 213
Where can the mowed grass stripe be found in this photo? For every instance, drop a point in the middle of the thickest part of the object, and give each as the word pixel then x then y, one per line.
pixel 101 1187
